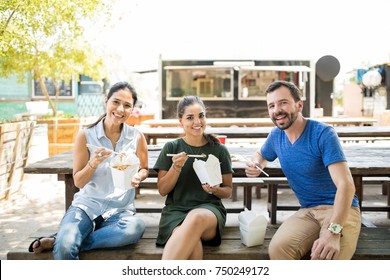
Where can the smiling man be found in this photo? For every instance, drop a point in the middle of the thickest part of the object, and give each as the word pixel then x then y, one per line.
pixel 328 222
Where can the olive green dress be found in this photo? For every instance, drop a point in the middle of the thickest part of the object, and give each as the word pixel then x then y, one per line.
pixel 188 193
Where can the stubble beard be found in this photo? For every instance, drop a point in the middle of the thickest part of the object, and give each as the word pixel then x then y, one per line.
pixel 290 120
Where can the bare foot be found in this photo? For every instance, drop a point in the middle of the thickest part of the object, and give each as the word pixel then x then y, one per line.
pixel 45 244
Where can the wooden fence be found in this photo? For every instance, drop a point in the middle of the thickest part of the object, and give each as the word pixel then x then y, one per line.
pixel 15 142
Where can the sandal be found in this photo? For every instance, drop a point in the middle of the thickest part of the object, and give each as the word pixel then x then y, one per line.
pixel 31 248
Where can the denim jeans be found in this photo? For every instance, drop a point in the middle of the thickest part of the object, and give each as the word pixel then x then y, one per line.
pixel 78 233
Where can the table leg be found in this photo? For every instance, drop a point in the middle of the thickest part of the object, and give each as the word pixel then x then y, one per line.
pixel 70 190
pixel 272 201
pixel 387 187
pixel 248 197
pixel 358 180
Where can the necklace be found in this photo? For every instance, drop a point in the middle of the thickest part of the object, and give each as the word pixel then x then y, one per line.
pixel 192 151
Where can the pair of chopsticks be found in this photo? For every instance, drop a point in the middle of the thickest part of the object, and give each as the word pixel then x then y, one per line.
pixel 261 170
pixel 96 147
pixel 193 156
pixel 257 167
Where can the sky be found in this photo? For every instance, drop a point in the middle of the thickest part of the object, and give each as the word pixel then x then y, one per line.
pixel 355 32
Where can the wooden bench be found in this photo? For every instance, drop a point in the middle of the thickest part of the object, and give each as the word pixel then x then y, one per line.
pixel 274 183
pixel 245 182
pixel 384 181
pixel 373 244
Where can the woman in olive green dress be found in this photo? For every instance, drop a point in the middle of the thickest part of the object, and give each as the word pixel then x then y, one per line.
pixel 193 215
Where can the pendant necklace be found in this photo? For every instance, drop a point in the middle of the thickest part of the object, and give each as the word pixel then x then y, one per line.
pixel 192 151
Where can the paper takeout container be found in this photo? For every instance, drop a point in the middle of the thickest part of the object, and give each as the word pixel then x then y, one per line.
pixel 122 178
pixel 252 228
pixel 208 171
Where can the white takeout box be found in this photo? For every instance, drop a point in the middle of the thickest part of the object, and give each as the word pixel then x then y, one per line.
pixel 122 178
pixel 208 171
pixel 252 228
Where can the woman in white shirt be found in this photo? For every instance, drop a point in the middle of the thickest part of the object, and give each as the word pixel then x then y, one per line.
pixel 102 215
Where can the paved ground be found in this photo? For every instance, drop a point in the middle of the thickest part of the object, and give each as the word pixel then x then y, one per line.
pixel 40 204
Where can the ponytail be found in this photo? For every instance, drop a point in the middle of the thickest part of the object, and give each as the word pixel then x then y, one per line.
pixel 211 139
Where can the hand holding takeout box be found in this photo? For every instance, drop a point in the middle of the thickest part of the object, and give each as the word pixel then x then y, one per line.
pixel 208 171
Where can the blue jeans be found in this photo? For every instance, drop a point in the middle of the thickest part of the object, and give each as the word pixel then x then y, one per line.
pixel 78 233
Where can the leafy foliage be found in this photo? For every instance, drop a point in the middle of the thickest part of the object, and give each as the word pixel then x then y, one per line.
pixel 48 38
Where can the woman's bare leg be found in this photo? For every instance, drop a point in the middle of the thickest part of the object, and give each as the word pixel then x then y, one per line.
pixel 197 253
pixel 184 242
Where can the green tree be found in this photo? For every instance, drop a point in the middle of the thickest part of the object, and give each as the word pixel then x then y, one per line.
pixel 48 37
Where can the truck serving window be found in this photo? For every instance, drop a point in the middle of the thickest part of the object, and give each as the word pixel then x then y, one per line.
pixel 207 82
pixel 253 80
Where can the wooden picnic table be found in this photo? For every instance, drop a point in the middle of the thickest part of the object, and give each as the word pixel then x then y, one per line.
pixel 261 122
pixel 152 134
pixel 364 160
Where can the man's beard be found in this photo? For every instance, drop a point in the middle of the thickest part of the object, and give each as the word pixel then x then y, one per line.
pixel 290 120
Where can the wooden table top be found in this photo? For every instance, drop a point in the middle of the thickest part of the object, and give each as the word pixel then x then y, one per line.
pixel 261 122
pixel 363 159
pixel 262 132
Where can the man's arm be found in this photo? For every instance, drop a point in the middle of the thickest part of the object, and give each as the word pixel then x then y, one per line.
pixel 341 176
pixel 257 160
pixel 328 245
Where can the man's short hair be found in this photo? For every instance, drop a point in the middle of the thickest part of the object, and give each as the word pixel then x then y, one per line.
pixel 294 90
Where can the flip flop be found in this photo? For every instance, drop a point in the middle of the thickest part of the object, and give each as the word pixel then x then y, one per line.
pixel 31 249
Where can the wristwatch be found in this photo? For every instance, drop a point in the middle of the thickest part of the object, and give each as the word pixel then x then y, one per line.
pixel 335 228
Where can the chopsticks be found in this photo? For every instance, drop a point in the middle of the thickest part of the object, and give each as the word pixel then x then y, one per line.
pixel 257 167
pixel 194 156
pixel 261 170
pixel 96 147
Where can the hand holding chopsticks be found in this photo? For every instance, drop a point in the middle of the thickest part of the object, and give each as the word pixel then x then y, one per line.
pixel 248 161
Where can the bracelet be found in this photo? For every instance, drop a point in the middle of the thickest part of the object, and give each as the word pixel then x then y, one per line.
pixel 89 164
pixel 174 168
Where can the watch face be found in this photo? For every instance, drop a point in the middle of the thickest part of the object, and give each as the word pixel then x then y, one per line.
pixel 335 228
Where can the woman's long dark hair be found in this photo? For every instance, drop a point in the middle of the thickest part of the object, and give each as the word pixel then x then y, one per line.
pixel 187 101
pixel 116 87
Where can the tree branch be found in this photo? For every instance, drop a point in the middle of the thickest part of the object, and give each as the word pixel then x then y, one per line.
pixel 9 18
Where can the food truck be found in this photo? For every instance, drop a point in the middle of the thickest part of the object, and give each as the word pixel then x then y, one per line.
pixel 231 88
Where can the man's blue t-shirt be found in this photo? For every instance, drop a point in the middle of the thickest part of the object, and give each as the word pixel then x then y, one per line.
pixel 305 163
